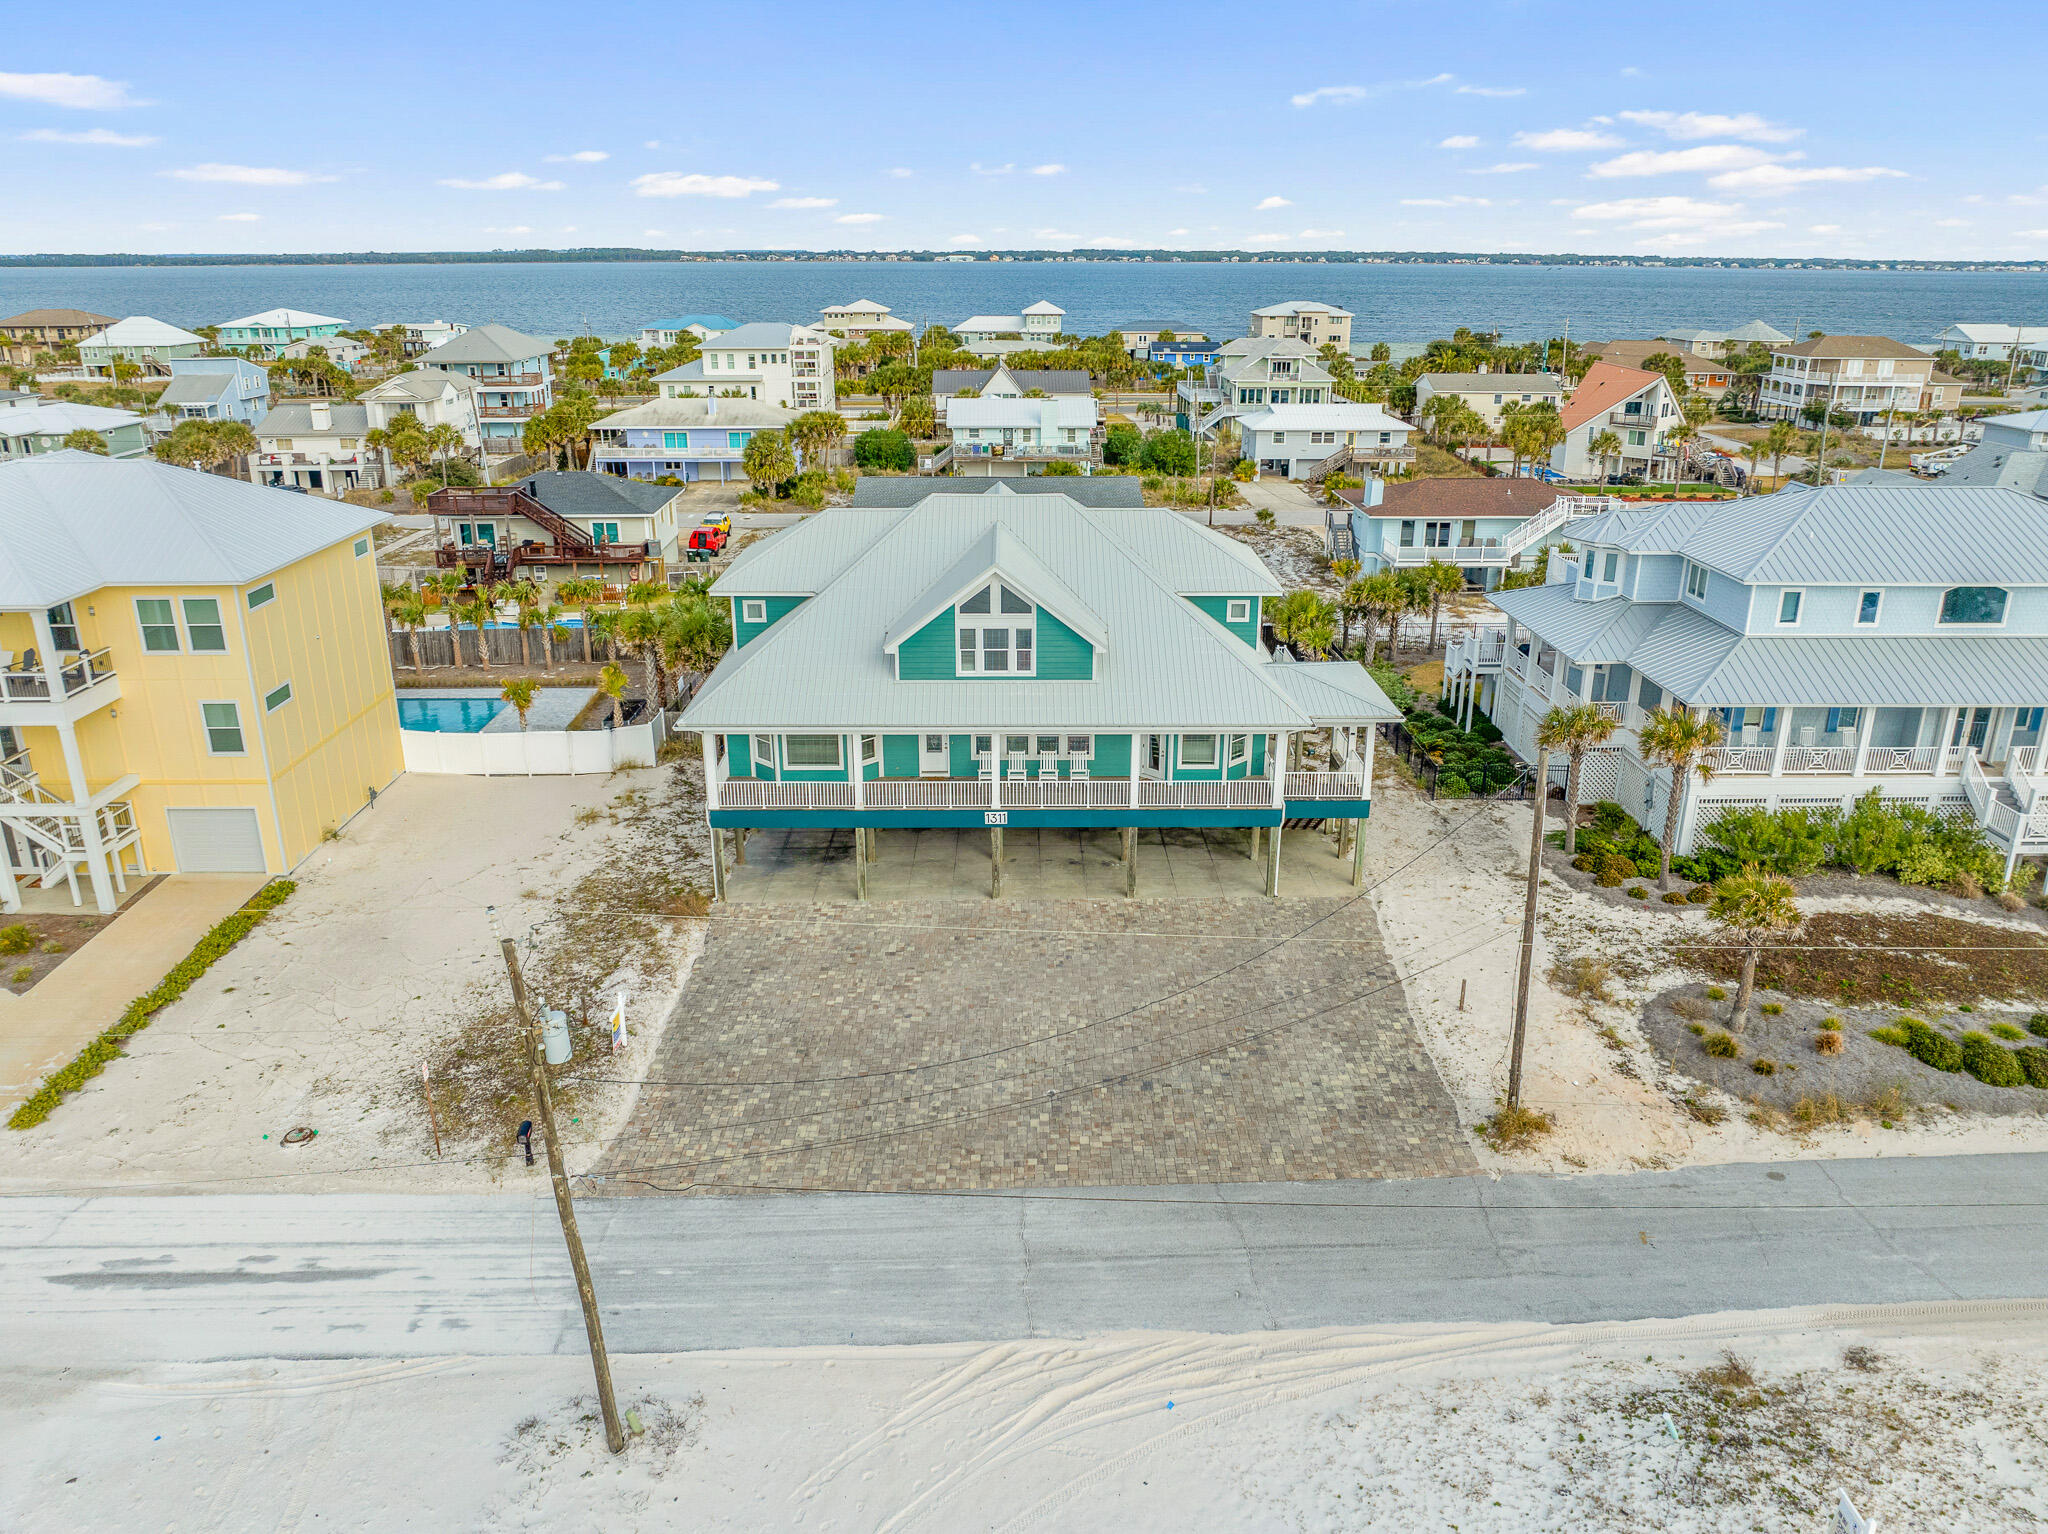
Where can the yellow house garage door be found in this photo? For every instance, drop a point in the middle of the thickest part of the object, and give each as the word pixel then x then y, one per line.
pixel 216 841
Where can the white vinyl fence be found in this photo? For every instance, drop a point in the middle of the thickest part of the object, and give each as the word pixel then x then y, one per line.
pixel 534 753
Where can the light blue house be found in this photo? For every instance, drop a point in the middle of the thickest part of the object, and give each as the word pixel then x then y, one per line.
pixel 512 374
pixel 268 333
pixel 1003 660
pixel 216 389
pixel 1485 527
pixel 669 331
pixel 1849 638
pixel 689 439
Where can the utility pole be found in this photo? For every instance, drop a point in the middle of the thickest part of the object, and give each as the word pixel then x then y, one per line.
pixel 614 1430
pixel 1528 930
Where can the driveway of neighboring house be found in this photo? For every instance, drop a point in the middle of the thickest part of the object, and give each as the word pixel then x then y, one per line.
pixel 1292 505
pixel 946 1044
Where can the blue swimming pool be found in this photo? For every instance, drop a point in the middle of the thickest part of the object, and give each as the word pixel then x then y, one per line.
pixel 448 716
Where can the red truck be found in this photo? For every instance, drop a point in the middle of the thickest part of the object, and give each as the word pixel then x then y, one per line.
pixel 706 543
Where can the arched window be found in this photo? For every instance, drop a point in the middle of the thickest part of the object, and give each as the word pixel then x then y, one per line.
pixel 1973 604
pixel 997 632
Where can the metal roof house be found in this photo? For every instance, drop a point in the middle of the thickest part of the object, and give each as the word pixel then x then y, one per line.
pixel 1002 660
pixel 1849 638
pixel 148 343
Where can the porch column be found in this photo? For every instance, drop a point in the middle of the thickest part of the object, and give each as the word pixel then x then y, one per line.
pixel 710 744
pixel 995 862
pixel 96 862
pixel 1948 730
pixel 1129 837
pixel 857 768
pixel 1273 865
pixel 1784 717
pixel 1278 767
pixel 1133 784
pixel 1863 721
pixel 10 892
pixel 860 864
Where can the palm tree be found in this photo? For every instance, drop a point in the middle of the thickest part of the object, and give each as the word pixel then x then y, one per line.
pixel 603 628
pixel 1574 729
pixel 1754 906
pixel 1381 597
pixel 640 629
pixel 1778 439
pixel 551 629
pixel 1679 436
pixel 409 613
pixel 443 439
pixel 612 683
pixel 1677 738
pixel 479 610
pixel 1753 454
pixel 1604 445
pixel 1351 602
pixel 1303 618
pixel 527 595
pixel 1441 581
pixel 518 691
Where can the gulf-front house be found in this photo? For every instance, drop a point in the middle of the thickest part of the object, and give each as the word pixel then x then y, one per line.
pixel 1004 660
pixel 1849 638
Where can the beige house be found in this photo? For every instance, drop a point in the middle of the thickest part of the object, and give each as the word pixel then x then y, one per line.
pixel 1705 372
pixel 1314 323
pixel 1489 393
pixel 1863 376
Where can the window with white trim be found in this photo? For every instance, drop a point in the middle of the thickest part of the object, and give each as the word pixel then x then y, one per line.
pixel 810 751
pixel 1868 606
pixel 263 595
pixel 362 547
pixel 1198 751
pixel 1240 749
pixel 1973 604
pixel 1696 581
pixel 753 610
pixel 870 749
pixel 277 697
pixel 764 750
pixel 1238 610
pixel 996 632
pixel 159 624
pixel 204 634
pixel 223 722
pixel 1788 607
pixel 1081 746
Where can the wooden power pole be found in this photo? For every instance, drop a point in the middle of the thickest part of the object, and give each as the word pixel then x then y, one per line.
pixel 614 1429
pixel 1528 930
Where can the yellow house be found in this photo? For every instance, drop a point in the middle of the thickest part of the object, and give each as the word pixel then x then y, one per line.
pixel 194 675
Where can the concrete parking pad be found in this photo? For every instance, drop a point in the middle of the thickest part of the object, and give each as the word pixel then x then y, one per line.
pixel 938 1044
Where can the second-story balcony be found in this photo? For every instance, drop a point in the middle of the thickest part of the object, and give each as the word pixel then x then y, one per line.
pixel 75 674
pixel 509 412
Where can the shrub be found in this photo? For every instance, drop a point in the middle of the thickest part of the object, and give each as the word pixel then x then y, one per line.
pixel 2034 1064
pixel 1700 894
pixel 140 1012
pixel 1637 892
pixel 1674 897
pixel 1707 865
pixel 18 938
pixel 2037 1025
pixel 1582 976
pixel 1893 1036
pixel 1993 1064
pixel 1870 838
pixel 880 449
pixel 1516 1128
pixel 1784 841
pixel 2011 900
pixel 1721 1046
pixel 1764 1067
pixel 1610 818
pixel 1831 1022
pixel 1697 1030
pixel 1931 1047
pixel 1771 1008
pixel 1828 1041
pixel 23 973
pixel 1583 863
pixel 1716 993
pixel 1612 869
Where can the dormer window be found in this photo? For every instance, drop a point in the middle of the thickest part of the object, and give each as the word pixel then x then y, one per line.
pixel 997 631
pixel 1973 604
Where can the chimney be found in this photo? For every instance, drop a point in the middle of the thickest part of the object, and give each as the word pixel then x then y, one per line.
pixel 710 405
pixel 1375 490
pixel 323 416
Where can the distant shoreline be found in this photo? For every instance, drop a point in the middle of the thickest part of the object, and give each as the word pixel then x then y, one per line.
pixel 625 254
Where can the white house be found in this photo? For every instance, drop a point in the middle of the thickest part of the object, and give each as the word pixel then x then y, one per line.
pixel 684 437
pixel 1309 441
pixel 1711 343
pixel 1039 324
pixel 863 317
pixel 1015 436
pixel 1317 324
pixel 1005 382
pixel 1251 374
pixel 149 343
pixel 216 389
pixel 786 366
pixel 1851 639
pixel 1995 343
pixel 315 445
pixel 343 352
pixel 433 397
pixel 1636 406
pixel 667 332
pixel 423 335
pixel 1489 393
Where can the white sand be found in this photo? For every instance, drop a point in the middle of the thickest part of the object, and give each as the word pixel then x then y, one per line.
pixel 321 1016
pixel 1474 1428
pixel 1463 888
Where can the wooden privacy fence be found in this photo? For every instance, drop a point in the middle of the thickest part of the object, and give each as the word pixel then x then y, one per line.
pixel 437 647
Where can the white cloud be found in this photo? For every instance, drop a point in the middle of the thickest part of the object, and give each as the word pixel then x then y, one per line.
pixel 1054 234
pixel 1659 212
pixel 805 202
pixel 105 136
pixel 1493 90
pixel 2032 199
pixel 1341 95
pixel 966 239
pixel 1699 160
pixel 506 229
pixel 1111 242
pixel 980 169
pixel 1504 168
pixel 901 172
pixel 580 157
pixel 85 93
pixel 1562 140
pixel 1459 141
pixel 1174 234
pixel 1446 202
pixel 1271 203
pixel 1823 228
pixel 240 218
pixel 247 175
pixel 858 218
pixel 1048 170
pixel 1321 234
pixel 504 181
pixel 1694 125
pixel 674 183
pixel 1267 239
pixel 653 143
pixel 2031 234
pixel 1778 178
pixel 1630 72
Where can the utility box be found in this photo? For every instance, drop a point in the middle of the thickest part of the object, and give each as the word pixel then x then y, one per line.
pixel 554 1036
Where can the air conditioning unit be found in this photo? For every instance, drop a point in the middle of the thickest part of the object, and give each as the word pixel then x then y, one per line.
pixel 653 548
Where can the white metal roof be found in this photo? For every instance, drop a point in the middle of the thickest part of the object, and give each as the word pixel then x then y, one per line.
pixel 1343 416
pixel 73 522
pixel 763 333
pixel 141 330
pixel 420 383
pixel 1043 307
pixel 489 343
pixel 675 414
pixel 295 318
pixel 51 416
pixel 980 322
pixel 1052 412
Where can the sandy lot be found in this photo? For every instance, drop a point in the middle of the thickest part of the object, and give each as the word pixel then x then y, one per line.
pixel 1448 881
pixel 1936 1423
pixel 321 1017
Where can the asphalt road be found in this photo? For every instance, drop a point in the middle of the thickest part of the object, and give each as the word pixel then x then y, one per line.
pixel 121 1280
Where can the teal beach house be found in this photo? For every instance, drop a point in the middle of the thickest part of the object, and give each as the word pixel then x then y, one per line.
pixel 1001 660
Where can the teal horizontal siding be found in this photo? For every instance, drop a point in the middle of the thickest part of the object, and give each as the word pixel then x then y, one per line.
pixel 957 820
pixel 1063 655
pixel 1219 607
pixel 927 655
pixel 778 608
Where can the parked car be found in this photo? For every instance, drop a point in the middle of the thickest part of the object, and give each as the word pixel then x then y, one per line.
pixel 706 543
pixel 722 520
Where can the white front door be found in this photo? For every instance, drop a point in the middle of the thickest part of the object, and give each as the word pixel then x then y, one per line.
pixel 1154 763
pixel 934 756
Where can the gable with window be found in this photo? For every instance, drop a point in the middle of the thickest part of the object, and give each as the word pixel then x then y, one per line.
pixel 996 630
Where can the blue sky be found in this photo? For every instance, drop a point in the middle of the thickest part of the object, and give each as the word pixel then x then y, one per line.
pixel 1482 126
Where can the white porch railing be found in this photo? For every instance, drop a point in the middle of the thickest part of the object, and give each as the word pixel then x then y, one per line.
pixel 1325 785
pixel 923 794
pixel 1232 793
pixel 1834 759
pixel 1729 759
pixel 1610 711
pixel 1900 758
pixel 1008 794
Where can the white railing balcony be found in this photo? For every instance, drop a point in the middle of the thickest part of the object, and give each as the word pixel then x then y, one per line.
pixel 755 794
pixel 1840 760
pixel 1901 758
pixel 2026 761
pixel 1231 793
pixel 1051 793
pixel 928 794
pixel 1614 711
pixel 1007 793
pixel 1731 759
pixel 1325 785
pixel 75 675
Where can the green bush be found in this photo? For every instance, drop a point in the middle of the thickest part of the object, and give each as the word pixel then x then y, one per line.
pixel 1610 818
pixel 1893 1036
pixel 882 449
pixel 1674 897
pixel 1391 682
pixel 1870 838
pixel 2037 1025
pixel 1771 1008
pixel 1611 869
pixel 1764 1067
pixel 1991 1063
pixel 1637 892
pixel 1706 865
pixel 2034 1063
pixel 1790 842
pixel 1925 863
pixel 1721 1046
pixel 1716 993
pixel 2009 1033
pixel 140 1012
pixel 17 938
pixel 1583 862
pixel 1931 1047
pixel 1700 894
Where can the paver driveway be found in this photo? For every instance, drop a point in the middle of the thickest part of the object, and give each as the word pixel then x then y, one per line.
pixel 961 1044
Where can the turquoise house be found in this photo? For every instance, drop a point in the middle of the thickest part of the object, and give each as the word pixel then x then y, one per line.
pixel 269 333
pixel 1001 660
